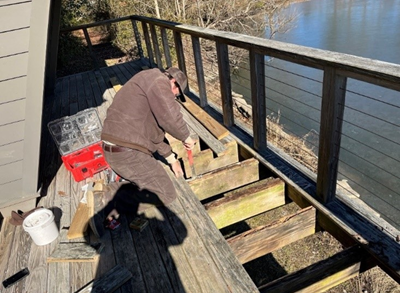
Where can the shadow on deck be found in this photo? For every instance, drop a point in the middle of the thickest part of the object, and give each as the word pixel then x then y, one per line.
pixel 180 251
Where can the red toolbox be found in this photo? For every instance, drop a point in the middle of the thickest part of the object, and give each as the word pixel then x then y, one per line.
pixel 78 140
pixel 86 162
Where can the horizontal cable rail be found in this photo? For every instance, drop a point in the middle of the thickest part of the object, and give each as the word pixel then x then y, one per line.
pixel 258 83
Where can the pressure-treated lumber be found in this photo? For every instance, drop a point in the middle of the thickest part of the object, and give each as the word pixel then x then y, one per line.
pixel 320 276
pixel 210 123
pixel 205 161
pixel 80 222
pixel 247 202
pixel 73 252
pixel 265 239
pixel 110 282
pixel 177 145
pixel 332 112
pixel 203 132
pixel 225 179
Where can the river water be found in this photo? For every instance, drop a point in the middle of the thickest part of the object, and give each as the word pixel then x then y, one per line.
pixel 370 145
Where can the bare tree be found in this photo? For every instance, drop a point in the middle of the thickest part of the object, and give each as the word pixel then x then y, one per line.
pixel 251 17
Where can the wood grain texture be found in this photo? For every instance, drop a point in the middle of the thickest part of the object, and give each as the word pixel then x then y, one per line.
pixel 177 241
pixel 199 71
pixel 321 276
pixel 203 133
pixel 73 252
pixel 365 69
pixel 220 181
pixel 257 80
pixel 246 202
pixel 225 82
pixel 173 245
pixel 236 278
pixel 205 161
pixel 265 239
pixel 332 111
pixel 207 276
pixel 205 119
pixel 79 223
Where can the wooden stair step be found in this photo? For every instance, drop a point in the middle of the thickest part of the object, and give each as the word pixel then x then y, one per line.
pixel 225 179
pixel 321 276
pixel 204 161
pixel 247 202
pixel 268 238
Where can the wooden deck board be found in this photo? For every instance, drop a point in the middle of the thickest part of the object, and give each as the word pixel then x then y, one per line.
pixel 180 251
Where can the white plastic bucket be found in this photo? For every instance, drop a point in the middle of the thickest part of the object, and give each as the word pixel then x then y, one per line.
pixel 41 226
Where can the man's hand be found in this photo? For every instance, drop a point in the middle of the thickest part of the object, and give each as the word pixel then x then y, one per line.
pixel 189 143
pixel 177 169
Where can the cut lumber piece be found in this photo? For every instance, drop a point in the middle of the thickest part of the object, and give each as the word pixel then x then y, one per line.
pixel 115 83
pixel 213 143
pixel 226 179
pixel 110 282
pixel 79 223
pixel 265 239
pixel 210 123
pixel 90 203
pixel 246 202
pixel 321 276
pixel 73 252
pixel 177 146
pixel 205 161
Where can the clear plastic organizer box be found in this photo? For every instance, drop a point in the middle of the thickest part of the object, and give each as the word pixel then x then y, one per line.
pixel 72 133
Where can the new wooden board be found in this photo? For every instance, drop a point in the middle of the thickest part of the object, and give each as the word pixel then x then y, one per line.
pixel 213 143
pixel 208 122
pixel 79 224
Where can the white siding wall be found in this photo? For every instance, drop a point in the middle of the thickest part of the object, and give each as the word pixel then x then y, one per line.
pixel 14 46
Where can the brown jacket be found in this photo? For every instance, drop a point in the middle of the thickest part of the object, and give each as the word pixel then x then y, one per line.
pixel 142 111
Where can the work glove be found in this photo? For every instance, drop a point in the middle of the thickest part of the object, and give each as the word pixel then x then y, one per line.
pixel 175 165
pixel 189 143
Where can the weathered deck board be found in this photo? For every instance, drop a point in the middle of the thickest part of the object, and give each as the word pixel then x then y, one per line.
pixel 180 251
pixel 233 273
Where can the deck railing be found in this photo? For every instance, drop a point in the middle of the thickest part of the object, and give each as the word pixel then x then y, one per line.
pixel 265 85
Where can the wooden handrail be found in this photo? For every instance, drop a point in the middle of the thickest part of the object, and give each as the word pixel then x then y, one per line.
pixel 337 68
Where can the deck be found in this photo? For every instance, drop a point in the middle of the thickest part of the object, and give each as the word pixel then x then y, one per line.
pixel 180 251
